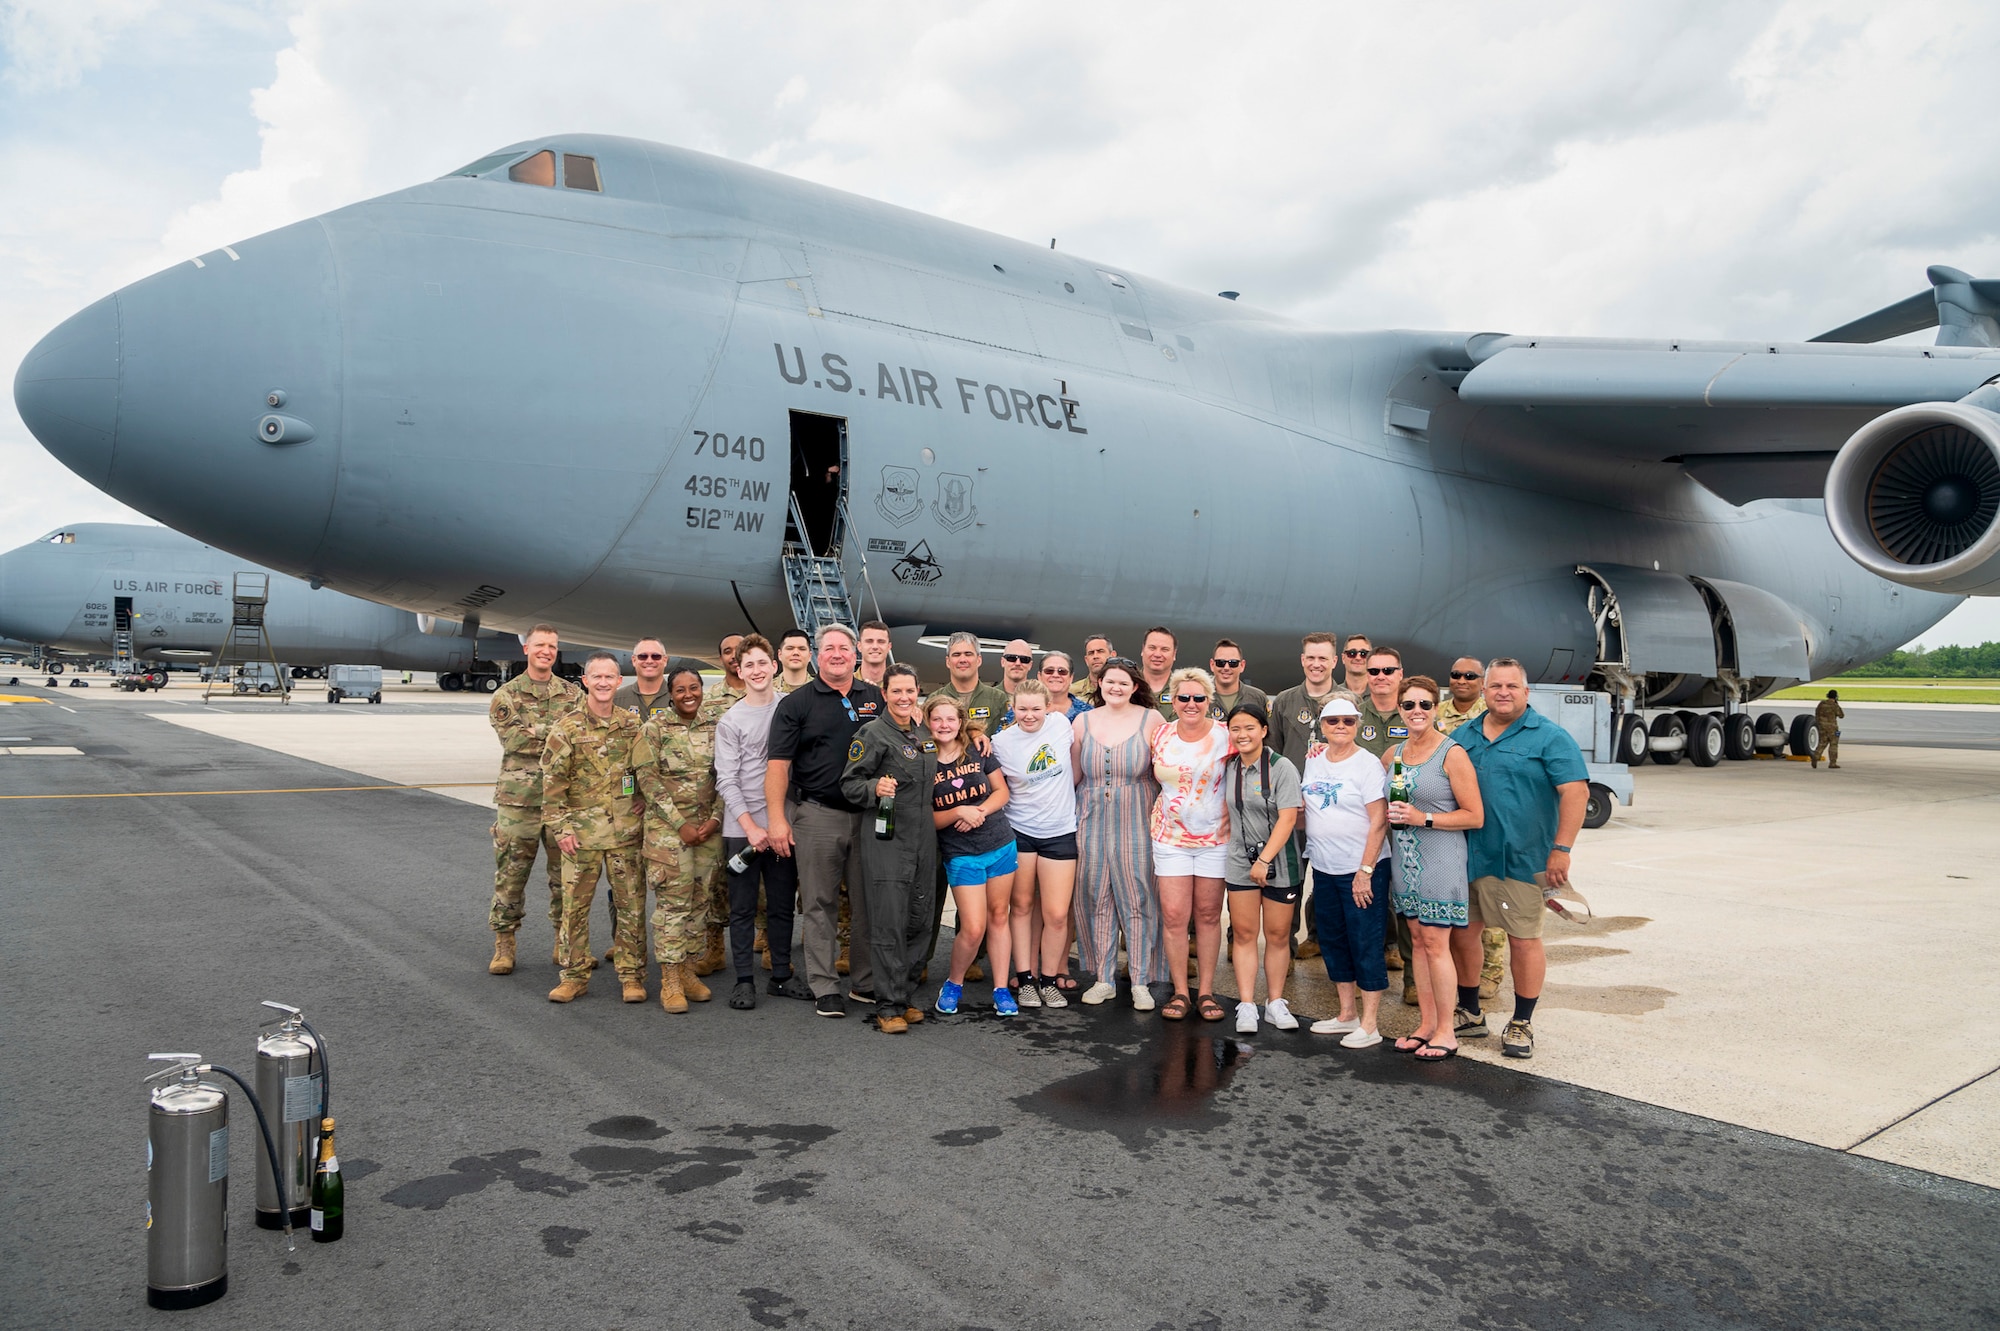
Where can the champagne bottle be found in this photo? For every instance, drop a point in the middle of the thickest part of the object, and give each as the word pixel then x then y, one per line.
pixel 741 861
pixel 885 818
pixel 328 1212
pixel 1399 783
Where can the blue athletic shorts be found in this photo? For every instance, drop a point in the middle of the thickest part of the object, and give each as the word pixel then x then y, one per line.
pixel 974 870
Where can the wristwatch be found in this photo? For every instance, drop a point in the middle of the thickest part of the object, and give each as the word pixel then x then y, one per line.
pixel 1564 849
pixel 1427 820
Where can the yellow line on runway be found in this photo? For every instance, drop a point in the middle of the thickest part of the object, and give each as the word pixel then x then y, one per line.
pixel 21 697
pixel 289 790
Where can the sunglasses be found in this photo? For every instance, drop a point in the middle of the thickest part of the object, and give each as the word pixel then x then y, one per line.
pixel 1465 674
pixel 1012 659
pixel 1416 704
pixel 1340 720
pixel 1225 663
pixel 1055 670
pixel 1356 653
pixel 649 656
pixel 1385 670
pixel 1190 697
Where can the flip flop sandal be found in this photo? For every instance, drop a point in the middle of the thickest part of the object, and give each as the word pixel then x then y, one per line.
pixel 1436 1053
pixel 1410 1044
pixel 1210 1007
pixel 1175 1008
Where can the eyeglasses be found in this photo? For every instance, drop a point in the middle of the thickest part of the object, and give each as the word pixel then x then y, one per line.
pixel 1385 670
pixel 1465 674
pixel 1012 659
pixel 1225 663
pixel 1190 697
pixel 1055 670
pixel 1414 704
pixel 649 656
pixel 1340 720
pixel 1356 653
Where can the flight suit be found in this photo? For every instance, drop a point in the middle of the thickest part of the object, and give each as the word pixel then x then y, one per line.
pixel 985 706
pixel 1828 714
pixel 522 715
pixel 1219 706
pixel 899 876
pixel 589 792
pixel 674 760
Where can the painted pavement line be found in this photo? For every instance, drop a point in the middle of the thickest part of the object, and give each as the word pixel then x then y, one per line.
pixel 1966 1085
pixel 285 790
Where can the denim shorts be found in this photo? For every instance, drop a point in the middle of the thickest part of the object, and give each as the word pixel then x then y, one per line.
pixel 975 870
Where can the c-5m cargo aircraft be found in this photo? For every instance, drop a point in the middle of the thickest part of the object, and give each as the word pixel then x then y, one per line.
pixel 83 590
pixel 613 384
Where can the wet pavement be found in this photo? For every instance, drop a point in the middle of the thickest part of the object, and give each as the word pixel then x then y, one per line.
pixel 511 1162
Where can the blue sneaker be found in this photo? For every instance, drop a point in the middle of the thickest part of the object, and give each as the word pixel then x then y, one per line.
pixel 947 999
pixel 1003 1001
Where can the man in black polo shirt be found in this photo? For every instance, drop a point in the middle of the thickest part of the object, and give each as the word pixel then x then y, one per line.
pixel 810 819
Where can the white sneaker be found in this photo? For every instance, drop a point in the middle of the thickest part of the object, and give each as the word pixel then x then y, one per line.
pixel 1246 1018
pixel 1142 998
pixel 1335 1026
pixel 1279 1014
pixel 1360 1040
pixel 1101 992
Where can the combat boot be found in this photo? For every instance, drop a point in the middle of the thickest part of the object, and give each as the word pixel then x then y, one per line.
pixel 503 955
pixel 568 991
pixel 672 997
pixel 693 987
pixel 843 965
pixel 633 988
pixel 1493 948
pixel 711 961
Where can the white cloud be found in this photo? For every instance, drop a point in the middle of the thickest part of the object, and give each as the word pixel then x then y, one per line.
pixel 1671 168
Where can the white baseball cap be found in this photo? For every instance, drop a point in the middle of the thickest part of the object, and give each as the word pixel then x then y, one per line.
pixel 1338 707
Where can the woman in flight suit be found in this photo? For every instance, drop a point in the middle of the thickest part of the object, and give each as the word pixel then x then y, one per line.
pixel 895 756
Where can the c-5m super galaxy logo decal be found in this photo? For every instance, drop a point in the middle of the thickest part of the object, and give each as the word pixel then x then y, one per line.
pixel 953 508
pixel 919 568
pixel 899 500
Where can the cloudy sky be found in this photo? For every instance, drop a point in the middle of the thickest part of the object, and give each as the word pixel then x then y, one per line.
pixel 1698 169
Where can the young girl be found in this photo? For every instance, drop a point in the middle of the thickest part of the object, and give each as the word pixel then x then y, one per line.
pixel 977 844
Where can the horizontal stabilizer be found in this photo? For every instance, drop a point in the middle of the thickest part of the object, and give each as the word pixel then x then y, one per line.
pixel 1964 309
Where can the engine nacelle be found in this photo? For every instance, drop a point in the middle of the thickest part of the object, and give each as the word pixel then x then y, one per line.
pixel 1914 497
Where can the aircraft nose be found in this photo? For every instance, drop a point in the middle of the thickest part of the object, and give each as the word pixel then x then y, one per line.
pixel 67 390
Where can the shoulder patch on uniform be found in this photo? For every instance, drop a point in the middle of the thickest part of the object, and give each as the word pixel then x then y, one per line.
pixel 930 746
pixel 856 749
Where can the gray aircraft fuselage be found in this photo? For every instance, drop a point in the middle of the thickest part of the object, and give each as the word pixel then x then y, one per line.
pixel 63 591
pixel 522 401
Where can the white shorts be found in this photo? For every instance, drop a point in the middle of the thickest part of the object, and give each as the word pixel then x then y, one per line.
pixel 1180 861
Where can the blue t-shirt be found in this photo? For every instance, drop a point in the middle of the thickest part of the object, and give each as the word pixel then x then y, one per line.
pixel 1518 775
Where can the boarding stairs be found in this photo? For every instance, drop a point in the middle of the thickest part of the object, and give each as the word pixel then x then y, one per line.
pixel 247 643
pixel 816 583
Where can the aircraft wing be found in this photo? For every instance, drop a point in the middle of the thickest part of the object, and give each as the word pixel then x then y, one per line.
pixel 1749 420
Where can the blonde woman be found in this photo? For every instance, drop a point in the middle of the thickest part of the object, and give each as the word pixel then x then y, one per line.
pixel 1034 752
pixel 1190 831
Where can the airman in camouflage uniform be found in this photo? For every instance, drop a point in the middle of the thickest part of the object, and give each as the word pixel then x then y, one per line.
pixel 589 793
pixel 675 763
pixel 1828 714
pixel 523 712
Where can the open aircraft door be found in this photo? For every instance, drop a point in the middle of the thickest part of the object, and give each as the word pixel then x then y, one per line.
pixel 1655 639
pixel 1761 641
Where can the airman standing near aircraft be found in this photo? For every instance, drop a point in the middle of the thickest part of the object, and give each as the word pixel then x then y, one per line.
pixel 1354 655
pixel 1295 728
pixel 795 654
pixel 874 648
pixel 592 801
pixel 980 703
pixel 1463 700
pixel 1828 714
pixel 1156 663
pixel 1226 664
pixel 1382 729
pixel 523 712
pixel 1017 658
pixel 1097 649
pixel 674 760
pixel 726 692
pixel 647 692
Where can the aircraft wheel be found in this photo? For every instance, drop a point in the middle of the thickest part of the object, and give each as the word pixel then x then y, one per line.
pixel 374 697
pixel 55 667
pixel 1739 737
pixel 1706 742
pixel 1805 735
pixel 1670 728
pixel 489 683
pixel 450 682
pixel 1597 812
pixel 1632 741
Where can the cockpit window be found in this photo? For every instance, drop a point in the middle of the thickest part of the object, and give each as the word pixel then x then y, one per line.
pixel 537 170
pixel 61 538
pixel 580 173
pixel 484 164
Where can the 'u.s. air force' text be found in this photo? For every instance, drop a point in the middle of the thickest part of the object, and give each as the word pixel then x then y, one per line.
pixel 916 388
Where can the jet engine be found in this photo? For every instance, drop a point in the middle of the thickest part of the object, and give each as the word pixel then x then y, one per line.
pixel 1914 495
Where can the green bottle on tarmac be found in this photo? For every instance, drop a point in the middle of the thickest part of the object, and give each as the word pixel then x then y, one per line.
pixel 885 817
pixel 329 1219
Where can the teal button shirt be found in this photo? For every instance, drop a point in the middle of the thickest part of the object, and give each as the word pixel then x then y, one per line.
pixel 1518 776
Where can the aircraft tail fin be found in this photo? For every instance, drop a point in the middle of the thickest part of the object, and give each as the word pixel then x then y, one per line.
pixel 1964 309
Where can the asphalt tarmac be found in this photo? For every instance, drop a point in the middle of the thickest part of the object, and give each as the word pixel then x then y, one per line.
pixel 511 1162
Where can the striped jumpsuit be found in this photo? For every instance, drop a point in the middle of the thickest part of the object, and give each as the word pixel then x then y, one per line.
pixel 1114 880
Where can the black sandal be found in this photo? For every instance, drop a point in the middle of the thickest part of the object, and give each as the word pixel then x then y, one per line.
pixel 1438 1055
pixel 1210 1007
pixel 744 996
pixel 1415 1042
pixel 1175 1008
pixel 1066 984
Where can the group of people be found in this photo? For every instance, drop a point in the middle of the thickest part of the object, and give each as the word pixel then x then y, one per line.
pixel 1128 804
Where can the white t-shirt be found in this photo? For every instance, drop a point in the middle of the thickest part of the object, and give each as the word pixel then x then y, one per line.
pixel 1337 796
pixel 1041 799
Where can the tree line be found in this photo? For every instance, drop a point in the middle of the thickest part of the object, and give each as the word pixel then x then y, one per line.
pixel 1982 661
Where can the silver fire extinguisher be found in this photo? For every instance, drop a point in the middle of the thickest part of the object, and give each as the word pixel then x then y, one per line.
pixel 289 1084
pixel 187 1182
